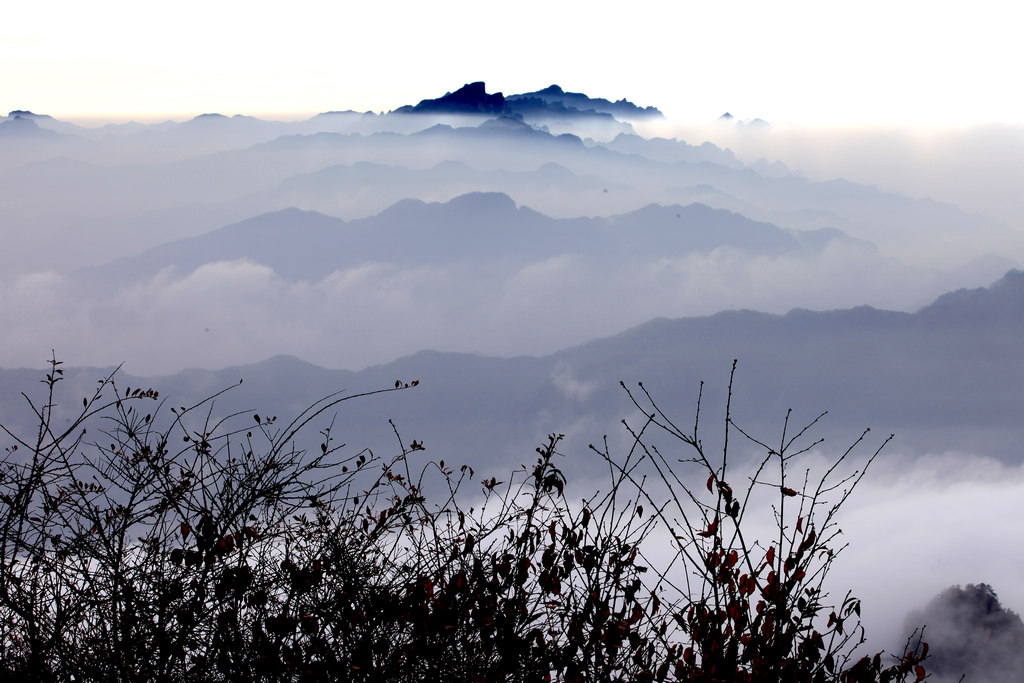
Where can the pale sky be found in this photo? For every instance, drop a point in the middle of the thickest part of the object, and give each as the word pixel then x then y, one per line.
pixel 869 62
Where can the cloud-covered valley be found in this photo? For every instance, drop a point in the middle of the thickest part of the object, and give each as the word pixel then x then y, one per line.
pixel 520 262
pixel 372 229
pixel 476 274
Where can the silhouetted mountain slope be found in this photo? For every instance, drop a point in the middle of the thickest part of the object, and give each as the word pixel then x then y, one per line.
pixel 898 224
pixel 477 227
pixel 671 151
pixel 551 102
pixel 971 634
pixel 366 188
pixel 1000 304
pixel 297 244
pixel 23 140
pixel 107 208
pixel 940 386
pixel 471 98
pixel 553 98
pixel 23 126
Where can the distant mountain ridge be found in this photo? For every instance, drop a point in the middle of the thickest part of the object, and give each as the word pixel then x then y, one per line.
pixel 555 99
pixel 23 124
pixel 476 227
pixel 1000 303
pixel 473 98
pixel 939 385
pixel 242 160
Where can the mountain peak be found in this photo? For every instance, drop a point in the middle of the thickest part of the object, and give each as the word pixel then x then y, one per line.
pixel 552 89
pixel 1003 298
pixel 22 125
pixel 472 98
pixel 490 202
pixel 26 114
pixel 555 99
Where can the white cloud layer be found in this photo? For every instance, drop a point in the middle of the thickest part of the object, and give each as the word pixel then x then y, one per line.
pixel 917 526
pixel 232 312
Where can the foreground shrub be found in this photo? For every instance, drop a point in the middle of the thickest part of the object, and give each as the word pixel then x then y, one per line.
pixel 209 549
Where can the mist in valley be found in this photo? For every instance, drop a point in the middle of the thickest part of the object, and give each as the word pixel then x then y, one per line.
pixel 520 263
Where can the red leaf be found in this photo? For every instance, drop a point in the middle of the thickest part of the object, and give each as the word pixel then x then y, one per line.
pixel 711 480
pixel 787 491
pixel 919 672
pixel 712 528
pixel 732 559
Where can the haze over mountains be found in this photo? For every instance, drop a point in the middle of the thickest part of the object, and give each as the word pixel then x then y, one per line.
pixel 384 217
pixel 519 255
pixel 473 228
pixel 945 379
pixel 461 223
pixel 867 366
pixel 132 187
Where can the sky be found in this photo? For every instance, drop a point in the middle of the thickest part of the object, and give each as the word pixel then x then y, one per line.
pixel 792 61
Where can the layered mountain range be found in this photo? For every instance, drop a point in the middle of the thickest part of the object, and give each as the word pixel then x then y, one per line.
pixel 476 228
pixel 945 378
pixel 122 193
pixel 471 224
pixel 551 102
pixel 516 265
